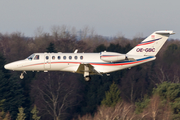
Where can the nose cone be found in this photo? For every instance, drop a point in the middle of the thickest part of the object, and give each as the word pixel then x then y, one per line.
pixel 9 67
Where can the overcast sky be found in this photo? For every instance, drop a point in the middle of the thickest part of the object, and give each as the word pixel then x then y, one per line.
pixel 107 17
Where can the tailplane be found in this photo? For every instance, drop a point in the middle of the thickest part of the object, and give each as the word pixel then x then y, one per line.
pixel 151 45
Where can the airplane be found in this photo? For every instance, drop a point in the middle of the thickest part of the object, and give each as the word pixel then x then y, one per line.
pixel 93 63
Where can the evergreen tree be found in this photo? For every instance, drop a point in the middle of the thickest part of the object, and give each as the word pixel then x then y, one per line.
pixel 140 105
pixel 3 115
pixel 21 114
pixel 35 112
pixel 26 88
pixel 114 48
pixel 112 96
pixel 100 48
pixel 1 105
pixel 171 56
pixel 93 93
pixel 10 90
pixel 51 48
pixel 5 72
pixel 170 93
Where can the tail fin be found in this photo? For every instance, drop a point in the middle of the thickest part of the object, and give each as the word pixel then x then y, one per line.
pixel 152 44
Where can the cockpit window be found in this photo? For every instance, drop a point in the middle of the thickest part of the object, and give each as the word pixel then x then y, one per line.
pixel 31 57
pixel 36 57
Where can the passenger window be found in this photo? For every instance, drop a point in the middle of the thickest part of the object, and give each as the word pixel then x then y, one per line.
pixel 59 57
pixel 70 57
pixel 81 57
pixel 47 57
pixel 36 57
pixel 64 57
pixel 75 57
pixel 53 57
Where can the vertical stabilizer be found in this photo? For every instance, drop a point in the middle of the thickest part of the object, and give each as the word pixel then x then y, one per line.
pixel 152 44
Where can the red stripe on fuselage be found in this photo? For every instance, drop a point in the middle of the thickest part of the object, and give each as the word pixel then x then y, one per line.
pixel 118 64
pixel 100 64
pixel 32 65
pixel 50 63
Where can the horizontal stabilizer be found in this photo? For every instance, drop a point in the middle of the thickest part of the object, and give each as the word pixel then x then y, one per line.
pixel 165 32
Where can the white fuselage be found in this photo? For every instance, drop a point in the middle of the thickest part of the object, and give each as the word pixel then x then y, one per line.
pixel 71 61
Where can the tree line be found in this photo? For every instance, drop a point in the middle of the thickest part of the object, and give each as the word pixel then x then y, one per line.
pixel 148 91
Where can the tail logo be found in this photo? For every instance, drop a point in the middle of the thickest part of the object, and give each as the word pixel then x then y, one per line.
pixel 152 36
pixel 148 42
pixel 145 49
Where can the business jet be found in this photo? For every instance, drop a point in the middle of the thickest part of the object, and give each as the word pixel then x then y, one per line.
pixel 93 63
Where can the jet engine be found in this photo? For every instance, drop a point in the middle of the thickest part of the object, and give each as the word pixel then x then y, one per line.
pixel 112 56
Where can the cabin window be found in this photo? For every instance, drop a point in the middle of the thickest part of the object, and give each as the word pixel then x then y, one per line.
pixel 64 57
pixel 53 57
pixel 81 57
pixel 75 57
pixel 59 57
pixel 36 57
pixel 70 57
pixel 47 57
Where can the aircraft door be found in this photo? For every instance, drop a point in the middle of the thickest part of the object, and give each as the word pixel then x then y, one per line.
pixel 47 62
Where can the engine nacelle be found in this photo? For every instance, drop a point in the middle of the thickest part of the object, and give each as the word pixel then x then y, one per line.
pixel 112 56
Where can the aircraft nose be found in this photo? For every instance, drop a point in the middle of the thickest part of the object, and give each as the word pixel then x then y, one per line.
pixel 8 67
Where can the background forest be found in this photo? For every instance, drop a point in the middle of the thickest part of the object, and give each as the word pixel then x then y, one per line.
pixel 147 92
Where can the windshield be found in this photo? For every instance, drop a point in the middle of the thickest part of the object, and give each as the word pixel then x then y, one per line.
pixel 31 57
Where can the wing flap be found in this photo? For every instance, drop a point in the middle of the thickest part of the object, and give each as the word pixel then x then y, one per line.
pixel 81 69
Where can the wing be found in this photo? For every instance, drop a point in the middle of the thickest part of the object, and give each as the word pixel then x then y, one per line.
pixel 87 68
